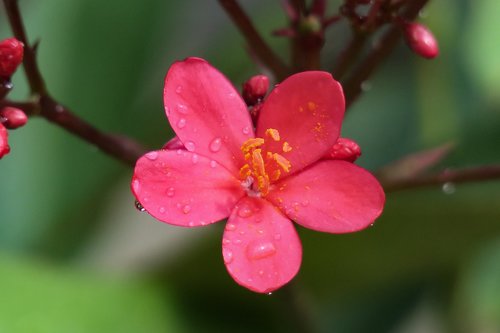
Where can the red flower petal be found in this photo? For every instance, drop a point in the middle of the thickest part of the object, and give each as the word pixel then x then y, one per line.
pixel 4 143
pixel 307 110
pixel 183 188
pixel 331 196
pixel 206 112
pixel 261 248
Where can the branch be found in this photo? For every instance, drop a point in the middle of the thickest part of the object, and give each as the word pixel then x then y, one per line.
pixel 352 86
pixel 481 173
pixel 254 40
pixel 43 104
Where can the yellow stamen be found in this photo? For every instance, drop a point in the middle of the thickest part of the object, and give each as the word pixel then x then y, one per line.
pixel 282 162
pixel 286 147
pixel 273 134
pixel 251 144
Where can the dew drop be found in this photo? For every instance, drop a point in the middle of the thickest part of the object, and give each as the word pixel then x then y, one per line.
pixel 269 294
pixel 261 272
pixel 195 158
pixel 260 250
pixel 237 241
pixel 186 209
pixel 448 188
pixel 162 210
pixel 139 207
pixel 167 111
pixel 246 130
pixel 215 145
pixel 305 203
pixel 190 146
pixel 213 163
pixel 181 123
pixel 170 192
pixel 227 255
pixel 245 212
pixel 226 241
pixel 179 151
pixel 230 227
pixel 178 89
pixel 191 224
pixel 152 155
pixel 181 108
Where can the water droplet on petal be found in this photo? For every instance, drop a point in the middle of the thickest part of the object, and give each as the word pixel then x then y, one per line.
pixel 215 145
pixel 226 241
pixel 230 226
pixel 179 151
pixel 190 146
pixel 448 188
pixel 305 203
pixel 213 163
pixel 245 211
pixel 167 111
pixel 181 123
pixel 260 250
pixel 162 210
pixel 181 108
pixel 170 192
pixel 186 209
pixel 178 89
pixel 152 155
pixel 246 130
pixel 191 224
pixel 227 255
pixel 195 158
pixel 237 241
pixel 139 207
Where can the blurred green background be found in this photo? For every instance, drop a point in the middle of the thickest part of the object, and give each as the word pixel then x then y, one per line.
pixel 76 256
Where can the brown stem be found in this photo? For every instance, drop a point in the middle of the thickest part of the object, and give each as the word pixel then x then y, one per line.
pixel 254 40
pixel 349 54
pixel 382 48
pixel 44 105
pixel 480 173
pixel 35 79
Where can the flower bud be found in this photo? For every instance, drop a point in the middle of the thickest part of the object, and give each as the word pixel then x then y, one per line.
pixel 255 89
pixel 4 144
pixel 13 117
pixel 11 55
pixel 421 40
pixel 344 149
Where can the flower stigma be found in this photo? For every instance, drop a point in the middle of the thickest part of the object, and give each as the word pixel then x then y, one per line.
pixel 263 167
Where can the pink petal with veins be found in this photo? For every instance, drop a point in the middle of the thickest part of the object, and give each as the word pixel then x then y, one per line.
pixel 261 249
pixel 183 188
pixel 330 196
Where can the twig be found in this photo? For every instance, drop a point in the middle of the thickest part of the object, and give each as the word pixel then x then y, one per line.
pixel 43 104
pixel 254 40
pixel 480 173
pixel 352 86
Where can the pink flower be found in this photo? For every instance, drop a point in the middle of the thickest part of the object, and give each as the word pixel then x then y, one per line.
pixel 261 178
pixel 11 56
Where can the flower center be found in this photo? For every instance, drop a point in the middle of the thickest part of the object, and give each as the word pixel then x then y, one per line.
pixel 263 167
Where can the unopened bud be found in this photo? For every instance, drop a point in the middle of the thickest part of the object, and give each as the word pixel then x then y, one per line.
pixel 11 56
pixel 344 149
pixel 13 117
pixel 4 144
pixel 255 89
pixel 421 40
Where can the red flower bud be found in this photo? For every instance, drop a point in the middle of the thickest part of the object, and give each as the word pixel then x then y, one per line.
pixel 11 55
pixel 421 40
pixel 4 144
pixel 255 89
pixel 13 117
pixel 344 149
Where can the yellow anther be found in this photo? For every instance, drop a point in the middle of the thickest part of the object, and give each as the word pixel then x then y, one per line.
pixel 269 155
pixel 258 162
pixel 263 184
pixel 251 144
pixel 276 175
pixel 286 147
pixel 273 134
pixel 245 171
pixel 282 162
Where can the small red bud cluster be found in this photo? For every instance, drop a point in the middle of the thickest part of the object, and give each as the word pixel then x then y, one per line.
pixel 421 40
pixel 253 92
pixel 11 56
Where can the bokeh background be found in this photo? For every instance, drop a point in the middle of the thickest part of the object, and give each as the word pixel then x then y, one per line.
pixel 76 256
